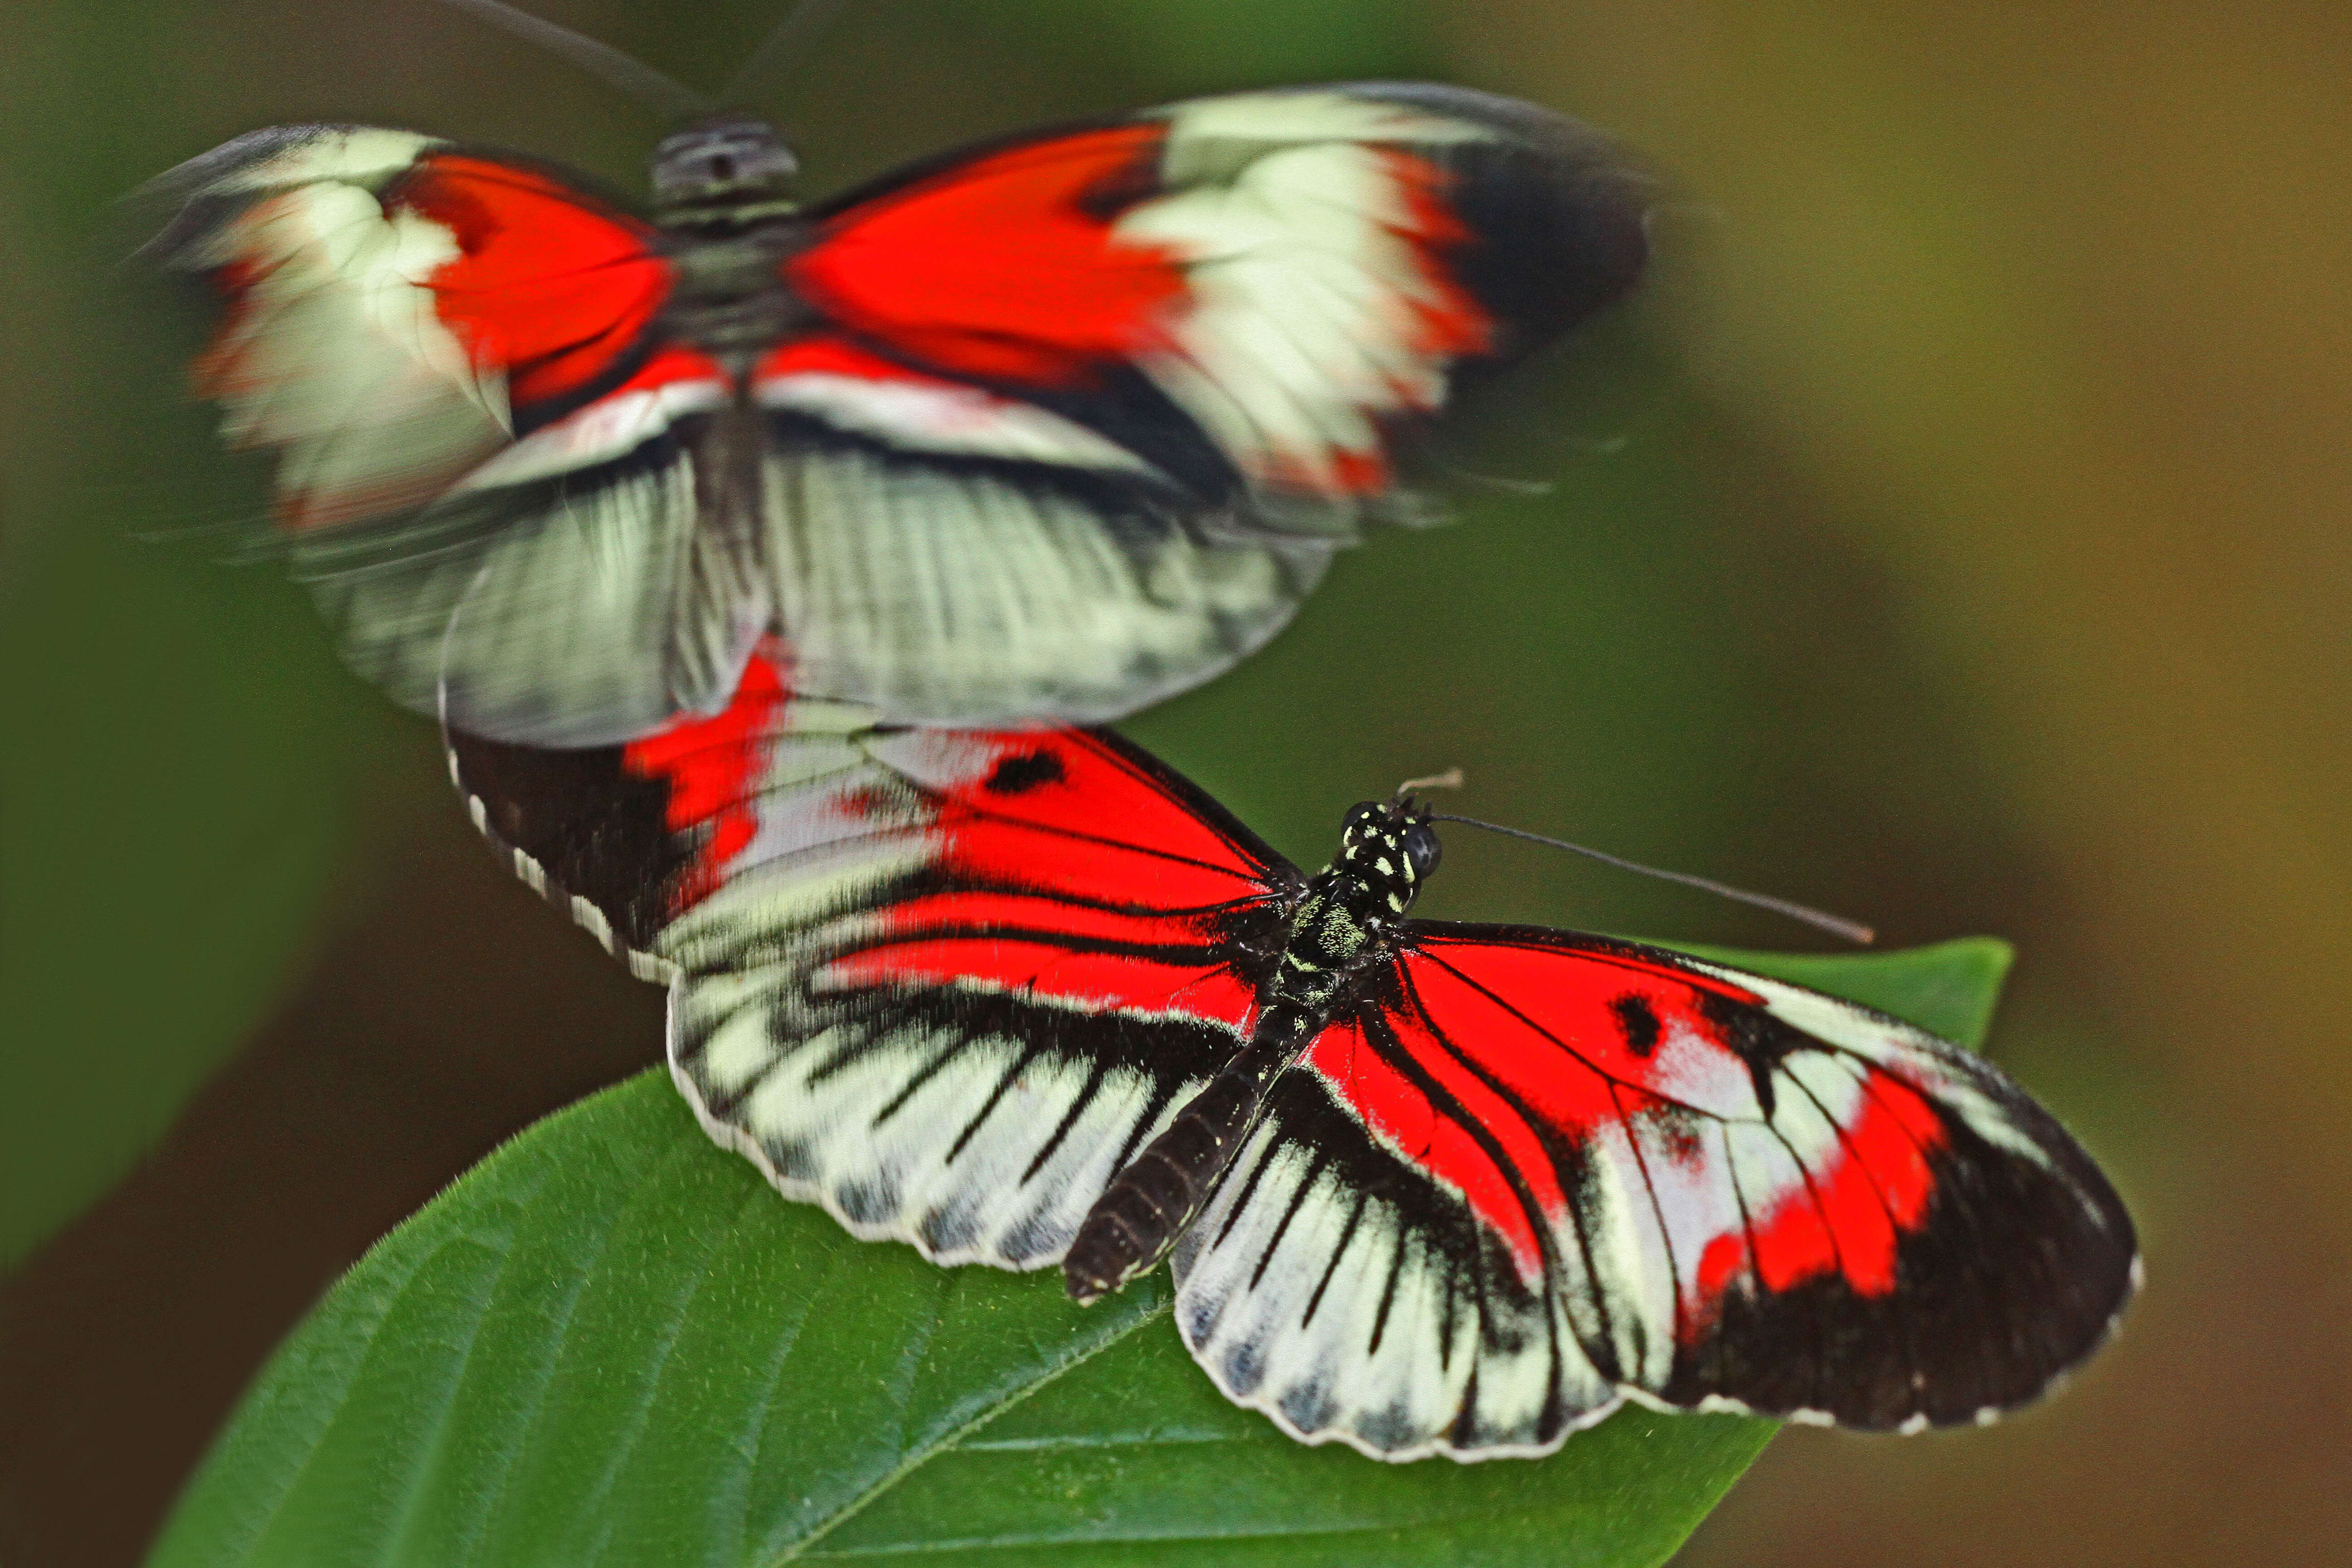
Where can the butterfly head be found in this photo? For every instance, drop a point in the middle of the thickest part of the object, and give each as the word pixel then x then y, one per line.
pixel 1386 848
pixel 723 168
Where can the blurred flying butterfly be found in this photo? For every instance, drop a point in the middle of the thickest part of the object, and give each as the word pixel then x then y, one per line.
pixel 1045 428
pixel 1025 998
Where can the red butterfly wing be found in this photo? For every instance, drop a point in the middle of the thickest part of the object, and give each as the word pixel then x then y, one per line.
pixel 1103 402
pixel 547 283
pixel 943 983
pixel 1260 288
pixel 1041 292
pixel 1538 1171
pixel 396 308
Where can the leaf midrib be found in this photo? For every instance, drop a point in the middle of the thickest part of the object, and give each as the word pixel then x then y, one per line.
pixel 916 1458
pixel 1079 1443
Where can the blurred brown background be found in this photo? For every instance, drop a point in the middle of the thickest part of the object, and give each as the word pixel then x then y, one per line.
pixel 1953 535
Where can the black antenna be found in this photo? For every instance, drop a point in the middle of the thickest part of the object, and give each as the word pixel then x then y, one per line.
pixel 639 80
pixel 1851 930
pixel 801 22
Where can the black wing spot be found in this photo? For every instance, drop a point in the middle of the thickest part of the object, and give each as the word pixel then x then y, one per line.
pixel 1755 1037
pixel 1638 1021
pixel 1018 775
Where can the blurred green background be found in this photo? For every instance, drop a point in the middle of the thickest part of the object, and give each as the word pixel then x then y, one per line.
pixel 1952 535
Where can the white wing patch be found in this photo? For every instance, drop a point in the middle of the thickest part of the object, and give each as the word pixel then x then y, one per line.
pixel 337 353
pixel 1314 294
pixel 936 1139
pixel 1327 1306
pixel 364 155
pixel 1957 1080
pixel 607 429
pixel 1198 126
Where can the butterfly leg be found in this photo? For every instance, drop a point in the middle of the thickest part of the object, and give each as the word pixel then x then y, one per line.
pixel 1147 1206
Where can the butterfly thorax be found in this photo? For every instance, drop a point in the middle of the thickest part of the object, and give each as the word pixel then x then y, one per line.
pixel 1346 919
pixel 722 199
pixel 1346 923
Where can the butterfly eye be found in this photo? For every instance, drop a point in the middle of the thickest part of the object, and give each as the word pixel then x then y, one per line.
pixel 720 160
pixel 1422 847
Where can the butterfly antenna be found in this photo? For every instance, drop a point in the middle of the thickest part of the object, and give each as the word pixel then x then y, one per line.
pixel 801 23
pixel 1851 930
pixel 1450 779
pixel 1500 484
pixel 639 80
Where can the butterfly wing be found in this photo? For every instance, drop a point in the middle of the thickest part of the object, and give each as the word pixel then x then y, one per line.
pixel 942 983
pixel 1102 404
pixel 396 308
pixel 1537 1173
pixel 1077 421
pixel 456 356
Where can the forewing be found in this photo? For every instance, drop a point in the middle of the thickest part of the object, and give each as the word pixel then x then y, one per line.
pixel 396 308
pixel 1566 1170
pixel 1102 403
pixel 489 467
pixel 1294 273
pixel 942 983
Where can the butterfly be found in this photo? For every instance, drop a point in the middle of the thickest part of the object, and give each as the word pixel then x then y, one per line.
pixel 1049 427
pixel 1029 998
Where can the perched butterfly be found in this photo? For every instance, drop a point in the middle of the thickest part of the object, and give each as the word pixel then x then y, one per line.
pixel 1046 428
pixel 1029 997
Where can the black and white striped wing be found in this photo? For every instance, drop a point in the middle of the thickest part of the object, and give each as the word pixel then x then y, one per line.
pixel 580 610
pixel 942 983
pixel 1089 593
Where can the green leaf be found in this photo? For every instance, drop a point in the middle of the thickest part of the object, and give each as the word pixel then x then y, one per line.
pixel 611 1344
pixel 171 833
